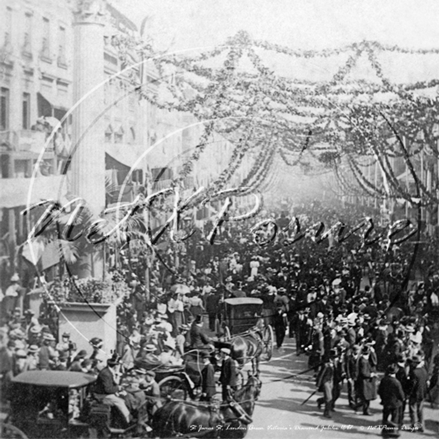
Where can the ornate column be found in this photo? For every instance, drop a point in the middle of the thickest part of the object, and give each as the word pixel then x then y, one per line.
pixel 88 153
pixel 88 161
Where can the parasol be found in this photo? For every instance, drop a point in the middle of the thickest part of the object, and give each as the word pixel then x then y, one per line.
pixel 180 289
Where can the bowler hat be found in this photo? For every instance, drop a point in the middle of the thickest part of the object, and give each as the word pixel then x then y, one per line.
pixel 416 359
pixel 392 369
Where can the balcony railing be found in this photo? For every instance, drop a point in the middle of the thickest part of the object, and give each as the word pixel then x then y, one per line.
pixel 25 140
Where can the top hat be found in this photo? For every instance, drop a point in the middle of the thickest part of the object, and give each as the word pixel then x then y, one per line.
pixel 114 360
pixel 96 342
pixel 199 318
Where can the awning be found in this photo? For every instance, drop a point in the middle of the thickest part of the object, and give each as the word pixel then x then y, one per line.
pixel 125 154
pixel 14 191
pixel 49 107
pixel 44 105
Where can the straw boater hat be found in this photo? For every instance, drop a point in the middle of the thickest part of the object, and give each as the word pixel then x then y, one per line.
pixel 36 329
pixel 150 347
pixel 225 351
pixel 33 349
pixel 49 337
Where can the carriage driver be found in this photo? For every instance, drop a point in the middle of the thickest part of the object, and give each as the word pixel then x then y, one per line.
pixel 107 389
pixel 198 338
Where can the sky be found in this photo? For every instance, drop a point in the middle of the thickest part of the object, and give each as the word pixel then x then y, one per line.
pixel 306 24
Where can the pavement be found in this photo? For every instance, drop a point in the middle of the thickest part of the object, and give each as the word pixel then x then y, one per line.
pixel 279 414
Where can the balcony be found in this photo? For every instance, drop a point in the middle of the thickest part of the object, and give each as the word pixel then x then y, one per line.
pixel 25 141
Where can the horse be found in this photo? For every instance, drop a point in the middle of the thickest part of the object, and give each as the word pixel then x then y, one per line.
pixel 248 346
pixel 206 420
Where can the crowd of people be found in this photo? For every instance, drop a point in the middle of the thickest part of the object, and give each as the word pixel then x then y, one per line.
pixel 357 310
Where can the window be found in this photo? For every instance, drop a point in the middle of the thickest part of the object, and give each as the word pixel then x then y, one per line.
pixel 4 109
pixel 8 31
pixel 27 44
pixel 26 111
pixel 45 47
pixel 133 135
pixel 108 134
pixel 62 62
pixel 119 135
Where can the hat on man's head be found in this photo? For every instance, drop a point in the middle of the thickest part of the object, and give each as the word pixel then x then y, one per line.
pixel 114 360
pixel 199 319
pixel 29 312
pixel 36 329
pixel 66 335
pixel 48 337
pixel 416 359
pixel 184 327
pixel 96 342
pixel 20 353
pixel 225 351
pixel 17 334
pixel 150 347
pixel 392 369
pixel 33 349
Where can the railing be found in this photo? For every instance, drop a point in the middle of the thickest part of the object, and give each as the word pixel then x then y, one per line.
pixel 25 140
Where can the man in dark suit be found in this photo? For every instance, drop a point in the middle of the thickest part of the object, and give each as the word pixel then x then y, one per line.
pixel 228 375
pixel 212 302
pixel 392 395
pixel 208 379
pixel 366 380
pixel 198 338
pixel 325 382
pixel 417 390
pixel 107 388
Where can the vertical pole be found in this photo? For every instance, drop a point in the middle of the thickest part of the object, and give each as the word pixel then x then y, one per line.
pixel 88 155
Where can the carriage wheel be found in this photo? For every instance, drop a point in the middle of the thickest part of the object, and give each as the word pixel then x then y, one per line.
pixel 8 431
pixel 173 387
pixel 268 342
pixel 227 333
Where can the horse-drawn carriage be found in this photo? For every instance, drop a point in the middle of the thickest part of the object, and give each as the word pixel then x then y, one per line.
pixel 61 404
pixel 246 330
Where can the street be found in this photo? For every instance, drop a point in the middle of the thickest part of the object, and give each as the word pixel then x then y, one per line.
pixel 279 413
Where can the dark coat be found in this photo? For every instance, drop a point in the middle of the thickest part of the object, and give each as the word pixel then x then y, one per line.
pixel 391 392
pixel 228 375
pixel 366 383
pixel 208 380
pixel 325 375
pixel 418 384
pixel 197 337
pixel 105 384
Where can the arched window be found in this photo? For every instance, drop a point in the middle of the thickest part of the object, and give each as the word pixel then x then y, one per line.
pixel 133 135
pixel 119 135
pixel 108 134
